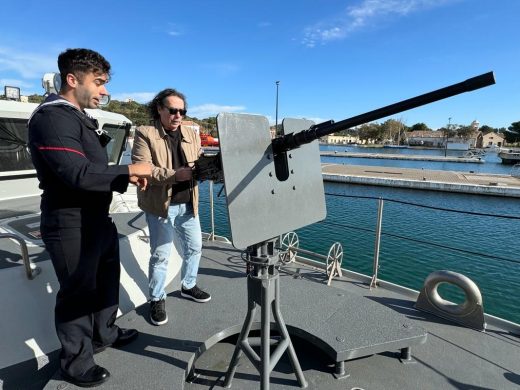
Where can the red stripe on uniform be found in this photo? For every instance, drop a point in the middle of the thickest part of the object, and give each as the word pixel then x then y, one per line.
pixel 61 149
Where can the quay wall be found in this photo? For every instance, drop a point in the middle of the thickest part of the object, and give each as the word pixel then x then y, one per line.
pixel 427 185
pixel 410 157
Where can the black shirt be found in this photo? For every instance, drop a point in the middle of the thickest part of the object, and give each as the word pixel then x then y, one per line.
pixel 180 191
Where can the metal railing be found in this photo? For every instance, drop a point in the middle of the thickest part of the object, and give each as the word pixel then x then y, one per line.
pixel 30 269
pixel 422 236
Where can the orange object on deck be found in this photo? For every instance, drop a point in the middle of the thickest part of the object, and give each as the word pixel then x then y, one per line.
pixel 208 140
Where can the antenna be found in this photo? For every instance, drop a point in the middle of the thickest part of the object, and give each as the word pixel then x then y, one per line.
pixel 276 120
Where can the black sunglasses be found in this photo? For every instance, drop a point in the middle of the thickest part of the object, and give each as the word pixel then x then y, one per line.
pixel 174 111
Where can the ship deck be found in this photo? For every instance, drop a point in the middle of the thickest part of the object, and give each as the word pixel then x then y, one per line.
pixel 201 337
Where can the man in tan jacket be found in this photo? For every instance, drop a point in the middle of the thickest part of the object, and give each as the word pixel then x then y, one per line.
pixel 171 201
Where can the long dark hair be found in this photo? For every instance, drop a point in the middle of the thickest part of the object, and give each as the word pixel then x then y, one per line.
pixel 158 101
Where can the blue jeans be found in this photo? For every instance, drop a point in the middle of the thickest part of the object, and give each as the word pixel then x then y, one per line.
pixel 184 226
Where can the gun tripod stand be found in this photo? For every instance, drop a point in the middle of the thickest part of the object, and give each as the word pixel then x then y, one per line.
pixel 263 289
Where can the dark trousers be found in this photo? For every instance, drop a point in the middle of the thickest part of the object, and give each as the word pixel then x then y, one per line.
pixel 86 262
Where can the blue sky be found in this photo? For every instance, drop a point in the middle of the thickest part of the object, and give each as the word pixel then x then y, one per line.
pixel 334 58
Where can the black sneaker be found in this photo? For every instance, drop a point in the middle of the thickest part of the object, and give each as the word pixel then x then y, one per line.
pixel 195 294
pixel 158 312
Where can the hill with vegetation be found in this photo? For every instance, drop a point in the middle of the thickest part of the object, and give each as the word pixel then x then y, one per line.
pixel 390 129
pixel 138 114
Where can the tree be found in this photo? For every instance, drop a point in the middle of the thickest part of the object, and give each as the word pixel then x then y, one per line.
pixel 371 132
pixel 485 129
pixel 35 98
pixel 451 132
pixel 512 133
pixel 347 132
pixel 465 132
pixel 391 130
pixel 420 127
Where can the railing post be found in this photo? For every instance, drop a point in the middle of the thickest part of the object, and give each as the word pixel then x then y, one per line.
pixel 212 234
pixel 30 271
pixel 373 282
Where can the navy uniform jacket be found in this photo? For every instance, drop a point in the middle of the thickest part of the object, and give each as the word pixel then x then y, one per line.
pixel 72 165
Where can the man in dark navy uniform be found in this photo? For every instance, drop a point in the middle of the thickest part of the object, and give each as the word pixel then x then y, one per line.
pixel 68 152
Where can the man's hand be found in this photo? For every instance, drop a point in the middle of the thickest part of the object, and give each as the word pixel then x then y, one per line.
pixel 183 174
pixel 141 182
pixel 140 170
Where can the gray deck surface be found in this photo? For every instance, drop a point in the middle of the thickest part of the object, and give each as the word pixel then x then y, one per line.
pixel 345 317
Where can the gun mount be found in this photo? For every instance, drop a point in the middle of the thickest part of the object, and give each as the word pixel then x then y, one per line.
pixel 210 168
pixel 272 189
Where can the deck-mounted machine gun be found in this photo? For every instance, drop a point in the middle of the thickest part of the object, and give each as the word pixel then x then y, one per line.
pixel 209 167
pixel 273 187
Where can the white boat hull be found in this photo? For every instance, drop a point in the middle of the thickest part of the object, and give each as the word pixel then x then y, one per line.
pixel 28 305
pixel 509 157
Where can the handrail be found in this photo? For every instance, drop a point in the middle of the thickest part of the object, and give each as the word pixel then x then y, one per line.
pixel 342 225
pixel 377 243
pixel 434 245
pixel 30 271
pixel 212 234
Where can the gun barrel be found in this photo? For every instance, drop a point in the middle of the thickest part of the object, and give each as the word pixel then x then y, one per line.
pixel 294 140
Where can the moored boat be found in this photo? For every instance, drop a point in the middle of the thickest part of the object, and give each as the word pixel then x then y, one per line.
pixel 510 156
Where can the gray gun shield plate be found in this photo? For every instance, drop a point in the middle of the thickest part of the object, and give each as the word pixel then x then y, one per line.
pixel 260 206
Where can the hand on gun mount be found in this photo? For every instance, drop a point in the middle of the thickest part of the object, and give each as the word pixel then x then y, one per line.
pixel 183 174
pixel 208 167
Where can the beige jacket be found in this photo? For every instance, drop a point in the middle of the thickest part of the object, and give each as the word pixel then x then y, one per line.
pixel 151 145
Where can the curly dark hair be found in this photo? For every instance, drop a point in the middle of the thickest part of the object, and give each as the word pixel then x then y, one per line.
pixel 158 101
pixel 81 61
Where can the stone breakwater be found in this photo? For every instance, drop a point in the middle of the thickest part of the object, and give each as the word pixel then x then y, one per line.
pixel 433 180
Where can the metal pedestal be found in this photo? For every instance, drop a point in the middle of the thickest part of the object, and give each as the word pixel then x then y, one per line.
pixel 263 289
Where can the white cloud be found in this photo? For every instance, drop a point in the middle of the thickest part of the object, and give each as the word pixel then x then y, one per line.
pixel 28 65
pixel 15 83
pixel 264 24
pixel 175 30
pixel 141 97
pixel 206 110
pixel 363 15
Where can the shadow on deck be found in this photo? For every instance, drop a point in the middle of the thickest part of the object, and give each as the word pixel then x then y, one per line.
pixel 342 325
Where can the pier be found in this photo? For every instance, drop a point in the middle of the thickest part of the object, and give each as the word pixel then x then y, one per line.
pixel 412 157
pixel 424 179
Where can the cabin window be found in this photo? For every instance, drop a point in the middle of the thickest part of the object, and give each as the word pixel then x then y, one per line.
pixel 14 152
pixel 117 144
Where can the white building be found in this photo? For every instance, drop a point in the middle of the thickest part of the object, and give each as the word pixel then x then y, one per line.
pixel 340 139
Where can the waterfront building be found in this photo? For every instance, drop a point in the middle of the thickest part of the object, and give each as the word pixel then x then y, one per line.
pixel 340 139
pixel 426 138
pixel 437 139
pixel 490 140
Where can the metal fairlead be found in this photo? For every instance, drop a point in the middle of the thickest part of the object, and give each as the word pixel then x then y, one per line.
pixel 469 313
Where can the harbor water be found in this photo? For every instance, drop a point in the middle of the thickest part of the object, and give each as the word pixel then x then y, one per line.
pixel 492 163
pixel 422 232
